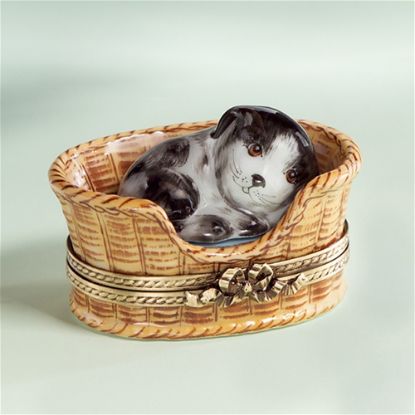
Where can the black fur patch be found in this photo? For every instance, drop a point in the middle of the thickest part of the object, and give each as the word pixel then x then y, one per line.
pixel 259 125
pixel 205 160
pixel 172 153
pixel 174 192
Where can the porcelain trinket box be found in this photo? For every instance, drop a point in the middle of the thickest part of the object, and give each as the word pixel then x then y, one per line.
pixel 133 275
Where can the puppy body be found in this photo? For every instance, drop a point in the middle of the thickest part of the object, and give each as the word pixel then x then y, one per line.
pixel 230 181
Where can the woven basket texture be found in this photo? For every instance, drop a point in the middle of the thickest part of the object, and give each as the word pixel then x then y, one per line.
pixel 134 236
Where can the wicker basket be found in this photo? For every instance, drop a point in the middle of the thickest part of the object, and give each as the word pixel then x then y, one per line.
pixel 133 276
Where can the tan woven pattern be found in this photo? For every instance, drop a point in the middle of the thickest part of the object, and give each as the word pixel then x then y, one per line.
pixel 183 322
pixel 120 241
pixel 151 297
pixel 133 236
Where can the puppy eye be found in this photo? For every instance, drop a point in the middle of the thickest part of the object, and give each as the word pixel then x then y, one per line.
pixel 255 150
pixel 292 176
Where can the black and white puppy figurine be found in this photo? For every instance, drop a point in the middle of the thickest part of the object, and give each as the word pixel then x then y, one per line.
pixel 233 180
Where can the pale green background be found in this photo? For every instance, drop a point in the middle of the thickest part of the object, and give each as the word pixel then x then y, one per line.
pixel 75 71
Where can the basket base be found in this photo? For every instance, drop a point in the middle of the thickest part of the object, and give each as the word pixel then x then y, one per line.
pixel 175 323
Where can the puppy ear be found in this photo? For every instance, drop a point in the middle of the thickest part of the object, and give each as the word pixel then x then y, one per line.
pixel 228 123
pixel 255 121
pixel 237 118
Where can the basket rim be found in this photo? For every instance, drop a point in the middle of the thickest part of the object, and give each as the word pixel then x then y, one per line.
pixel 132 207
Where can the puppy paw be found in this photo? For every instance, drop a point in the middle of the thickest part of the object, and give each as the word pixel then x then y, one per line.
pixel 253 227
pixel 203 228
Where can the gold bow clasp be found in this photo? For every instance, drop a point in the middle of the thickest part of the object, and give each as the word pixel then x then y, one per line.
pixel 236 284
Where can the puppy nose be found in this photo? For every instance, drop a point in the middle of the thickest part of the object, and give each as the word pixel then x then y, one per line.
pixel 258 180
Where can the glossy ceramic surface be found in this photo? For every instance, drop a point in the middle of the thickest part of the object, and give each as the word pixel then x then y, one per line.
pixel 233 180
pixel 125 239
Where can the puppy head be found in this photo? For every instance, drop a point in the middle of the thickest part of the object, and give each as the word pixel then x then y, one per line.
pixel 262 158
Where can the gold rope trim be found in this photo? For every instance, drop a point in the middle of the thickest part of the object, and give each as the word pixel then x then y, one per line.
pixel 197 281
pixel 260 282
